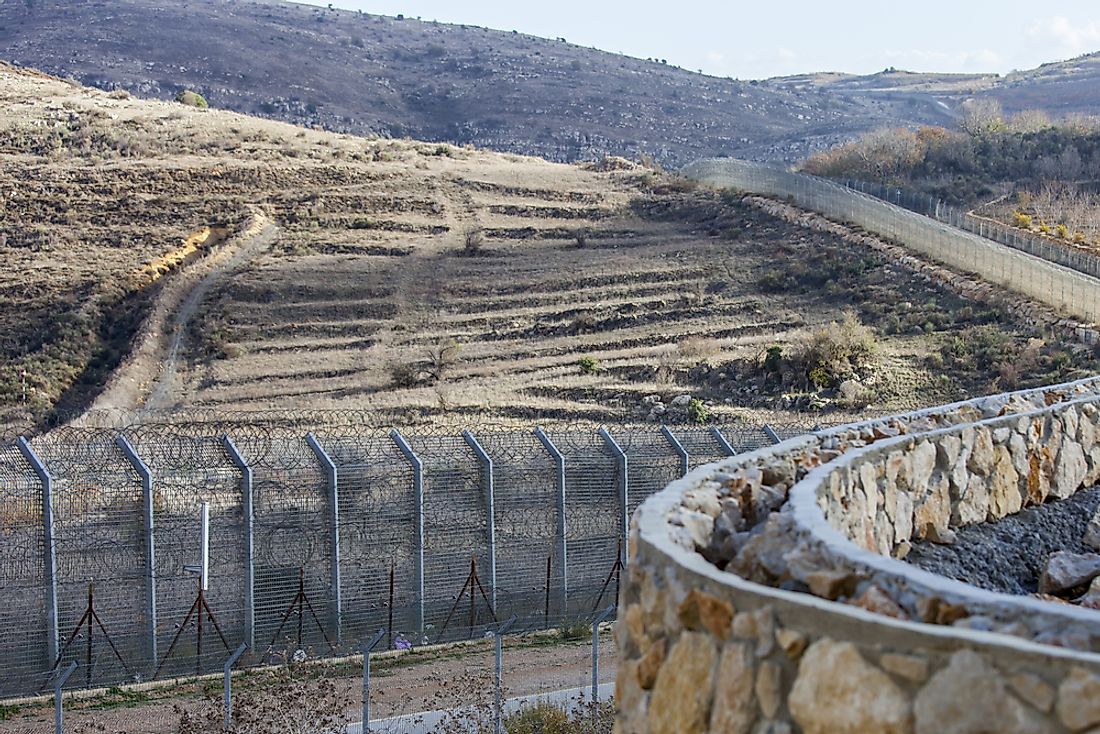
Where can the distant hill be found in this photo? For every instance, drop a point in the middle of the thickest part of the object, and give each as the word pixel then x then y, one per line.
pixel 398 77
pixel 360 73
pixel 1058 88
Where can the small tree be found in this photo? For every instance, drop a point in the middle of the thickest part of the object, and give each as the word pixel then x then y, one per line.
pixel 473 240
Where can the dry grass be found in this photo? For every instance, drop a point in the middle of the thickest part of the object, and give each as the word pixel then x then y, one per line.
pixel 362 301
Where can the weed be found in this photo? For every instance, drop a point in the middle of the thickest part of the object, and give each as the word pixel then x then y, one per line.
pixel 119 698
pixel 579 631
pixel 8 711
pixel 580 238
pixel 286 698
pixel 697 411
pixel 589 365
pixel 698 349
pixel 473 240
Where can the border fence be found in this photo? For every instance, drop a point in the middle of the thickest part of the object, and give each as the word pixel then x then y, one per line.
pixel 1037 269
pixel 321 532
pixel 1072 257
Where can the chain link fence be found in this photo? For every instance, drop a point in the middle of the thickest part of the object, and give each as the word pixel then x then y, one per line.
pixel 1073 257
pixel 322 531
pixel 1030 266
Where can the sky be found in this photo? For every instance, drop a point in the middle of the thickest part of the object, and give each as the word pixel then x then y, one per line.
pixel 754 39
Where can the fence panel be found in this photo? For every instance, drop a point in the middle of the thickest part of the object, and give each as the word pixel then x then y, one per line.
pixel 377 510
pixel 292 546
pixel 527 517
pixel 947 242
pixel 592 516
pixel 99 502
pixel 456 533
pixel 101 558
pixel 23 615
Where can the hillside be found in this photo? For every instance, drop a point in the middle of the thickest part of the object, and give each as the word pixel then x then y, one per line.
pixel 428 283
pixel 1058 88
pixel 367 74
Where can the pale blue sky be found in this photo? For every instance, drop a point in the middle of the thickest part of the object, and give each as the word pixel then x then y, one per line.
pixel 762 38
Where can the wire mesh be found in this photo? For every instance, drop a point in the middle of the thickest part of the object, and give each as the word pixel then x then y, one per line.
pixel 555 549
pixel 1032 267
pixel 22 573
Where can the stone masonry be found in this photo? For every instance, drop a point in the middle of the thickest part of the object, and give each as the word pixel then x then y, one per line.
pixel 764 594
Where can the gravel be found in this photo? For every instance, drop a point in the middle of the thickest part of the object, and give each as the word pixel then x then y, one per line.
pixel 1009 555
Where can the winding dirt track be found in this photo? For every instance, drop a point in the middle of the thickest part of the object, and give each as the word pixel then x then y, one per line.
pixel 146 378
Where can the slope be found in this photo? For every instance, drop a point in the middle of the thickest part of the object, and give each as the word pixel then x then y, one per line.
pixel 367 74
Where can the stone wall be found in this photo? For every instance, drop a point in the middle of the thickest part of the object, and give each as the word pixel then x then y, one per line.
pixel 761 595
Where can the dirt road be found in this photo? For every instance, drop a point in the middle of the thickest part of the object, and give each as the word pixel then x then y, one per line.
pixel 419 680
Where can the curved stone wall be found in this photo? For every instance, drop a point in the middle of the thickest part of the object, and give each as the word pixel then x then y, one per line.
pixel 762 596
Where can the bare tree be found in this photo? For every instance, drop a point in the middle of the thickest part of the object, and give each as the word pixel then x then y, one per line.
pixel 982 116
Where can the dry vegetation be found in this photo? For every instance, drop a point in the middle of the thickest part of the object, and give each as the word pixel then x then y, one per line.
pixel 436 284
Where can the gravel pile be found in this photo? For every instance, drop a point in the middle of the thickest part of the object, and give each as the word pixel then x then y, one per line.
pixel 1010 555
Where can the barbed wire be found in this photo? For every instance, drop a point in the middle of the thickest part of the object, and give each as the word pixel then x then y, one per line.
pixel 313 542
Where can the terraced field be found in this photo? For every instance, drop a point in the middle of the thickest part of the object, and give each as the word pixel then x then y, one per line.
pixel 434 284
pixel 664 296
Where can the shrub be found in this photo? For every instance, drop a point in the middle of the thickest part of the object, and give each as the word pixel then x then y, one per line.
pixel 837 352
pixel 1061 231
pixel 285 698
pixel 581 630
pixel 546 718
pixel 588 365
pixel 699 348
pixel 773 360
pixel 1021 220
pixel 697 411
pixel 473 240
pixel 580 238
pixel 192 99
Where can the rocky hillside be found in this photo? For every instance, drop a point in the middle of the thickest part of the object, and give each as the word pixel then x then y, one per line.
pixel 397 77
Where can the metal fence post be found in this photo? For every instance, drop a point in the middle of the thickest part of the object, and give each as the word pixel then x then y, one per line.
pixel 624 489
pixel 563 562
pixel 418 490
pixel 771 434
pixel 596 652
pixel 333 477
pixel 685 459
pixel 58 707
pixel 49 551
pixel 367 647
pixel 499 677
pixel 146 475
pixel 491 525
pixel 721 441
pixel 227 684
pixel 248 513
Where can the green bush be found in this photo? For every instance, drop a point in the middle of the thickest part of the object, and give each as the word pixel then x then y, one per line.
pixel 542 718
pixel 546 718
pixel 773 360
pixel 192 99
pixel 837 352
pixel 588 365
pixel 697 411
